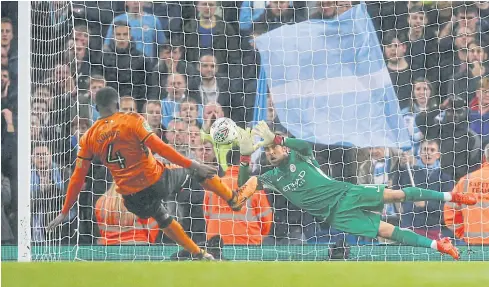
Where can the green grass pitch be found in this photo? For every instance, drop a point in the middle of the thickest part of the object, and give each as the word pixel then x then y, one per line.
pixel 249 274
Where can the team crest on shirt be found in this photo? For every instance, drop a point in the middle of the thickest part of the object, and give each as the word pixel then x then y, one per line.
pixel 292 168
pixel 147 126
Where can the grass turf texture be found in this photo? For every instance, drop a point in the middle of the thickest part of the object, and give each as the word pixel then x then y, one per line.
pixel 249 274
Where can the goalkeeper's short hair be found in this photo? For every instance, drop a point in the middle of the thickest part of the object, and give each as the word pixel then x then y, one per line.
pixel 106 96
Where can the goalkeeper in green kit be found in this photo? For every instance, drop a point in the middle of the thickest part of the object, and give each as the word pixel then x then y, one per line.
pixel 347 207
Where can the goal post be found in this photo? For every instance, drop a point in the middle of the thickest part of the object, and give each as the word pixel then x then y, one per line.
pixel 337 80
pixel 24 131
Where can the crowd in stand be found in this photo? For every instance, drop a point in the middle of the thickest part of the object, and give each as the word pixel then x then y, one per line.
pixel 183 65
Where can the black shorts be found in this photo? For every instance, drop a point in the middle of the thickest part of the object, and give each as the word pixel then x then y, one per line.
pixel 146 203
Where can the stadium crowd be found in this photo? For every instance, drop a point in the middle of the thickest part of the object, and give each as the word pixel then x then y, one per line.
pixel 184 64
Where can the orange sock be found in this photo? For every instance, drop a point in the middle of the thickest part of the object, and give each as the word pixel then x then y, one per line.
pixel 177 234
pixel 215 185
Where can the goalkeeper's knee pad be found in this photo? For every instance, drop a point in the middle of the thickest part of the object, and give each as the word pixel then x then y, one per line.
pixel 162 217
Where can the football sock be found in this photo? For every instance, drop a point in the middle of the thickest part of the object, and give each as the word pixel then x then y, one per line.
pixel 408 237
pixel 434 245
pixel 177 234
pixel 419 194
pixel 215 185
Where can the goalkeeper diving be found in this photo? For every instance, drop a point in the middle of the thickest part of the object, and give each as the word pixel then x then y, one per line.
pixel 354 209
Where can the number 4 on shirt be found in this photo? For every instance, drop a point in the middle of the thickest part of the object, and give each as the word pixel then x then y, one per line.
pixel 115 158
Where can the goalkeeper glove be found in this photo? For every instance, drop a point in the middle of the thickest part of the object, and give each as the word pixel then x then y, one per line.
pixel 245 141
pixel 262 130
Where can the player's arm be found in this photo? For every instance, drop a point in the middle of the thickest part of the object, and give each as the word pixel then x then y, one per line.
pixel 166 151
pixel 262 130
pixel 76 182
pixel 145 134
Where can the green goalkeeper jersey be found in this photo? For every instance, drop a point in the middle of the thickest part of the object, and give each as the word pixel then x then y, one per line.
pixel 301 181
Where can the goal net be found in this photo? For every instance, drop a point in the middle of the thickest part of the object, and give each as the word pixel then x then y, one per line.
pixel 386 93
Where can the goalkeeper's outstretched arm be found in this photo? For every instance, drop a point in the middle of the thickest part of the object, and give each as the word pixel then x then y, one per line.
pixel 263 130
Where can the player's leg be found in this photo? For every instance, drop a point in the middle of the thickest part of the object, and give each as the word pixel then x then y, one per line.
pixel 215 185
pixel 178 178
pixel 149 203
pixel 408 237
pixel 421 194
pixel 358 213
pixel 175 232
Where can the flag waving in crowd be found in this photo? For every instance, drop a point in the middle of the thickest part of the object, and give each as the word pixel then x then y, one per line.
pixel 329 82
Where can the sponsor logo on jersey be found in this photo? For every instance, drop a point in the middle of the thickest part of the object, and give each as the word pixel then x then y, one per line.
pixel 296 183
pixel 147 126
pixel 292 168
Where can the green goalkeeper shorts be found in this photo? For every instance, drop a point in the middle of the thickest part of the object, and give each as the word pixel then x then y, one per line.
pixel 359 211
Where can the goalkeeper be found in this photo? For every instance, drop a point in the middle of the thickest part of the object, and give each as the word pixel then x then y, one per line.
pixel 350 208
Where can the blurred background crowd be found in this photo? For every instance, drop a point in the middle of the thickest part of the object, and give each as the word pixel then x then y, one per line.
pixel 184 64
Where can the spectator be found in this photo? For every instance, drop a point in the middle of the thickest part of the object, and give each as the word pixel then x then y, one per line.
pixel 466 16
pixel 39 108
pixel 152 113
pixel 422 46
pixel 245 227
pixel 194 136
pixel 380 168
pixel 79 127
pixel 8 102
pixel 479 114
pixel 118 226
pixel 170 61
pixel 178 136
pixel 216 87
pixel 209 31
pixel 47 194
pixel 277 13
pixel 177 91
pixel 421 100
pixel 398 67
pixel 250 12
pixel 5 59
pixel 82 52
pixel 7 37
pixel 146 30
pixel 124 65
pixel 465 83
pixel 342 6
pixel 36 129
pixel 424 217
pixel 87 101
pixel 128 105
pixel 7 234
pixel 205 153
pixel 325 11
pixel 44 93
pixel 460 147
pixel 454 55
pixel 470 222
pixel 189 112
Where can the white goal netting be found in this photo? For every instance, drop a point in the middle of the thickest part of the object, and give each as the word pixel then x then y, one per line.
pixel 386 93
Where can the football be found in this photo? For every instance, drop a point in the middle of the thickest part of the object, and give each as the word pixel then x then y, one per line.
pixel 224 131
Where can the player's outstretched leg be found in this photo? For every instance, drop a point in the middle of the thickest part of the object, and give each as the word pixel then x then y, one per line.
pixel 408 237
pixel 235 201
pixel 420 194
pixel 174 230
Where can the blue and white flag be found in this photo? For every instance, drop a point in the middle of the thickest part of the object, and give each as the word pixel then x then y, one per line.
pixel 329 82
